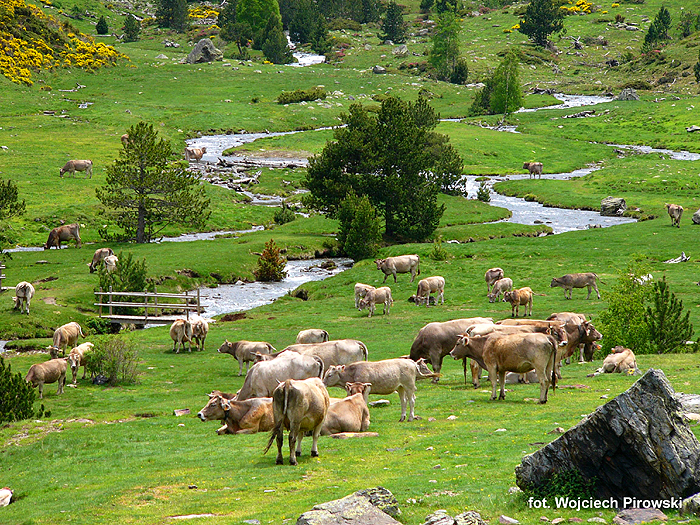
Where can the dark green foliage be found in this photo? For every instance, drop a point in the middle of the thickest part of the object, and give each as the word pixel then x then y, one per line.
pixel 16 395
pixel 132 29
pixel 97 325
pixel 446 6
pixel 10 206
pixel 241 34
pixel 305 22
pixel 444 54
pixel 102 28
pixel 696 69
pixel 541 19
pixel 227 16
pixel 360 11
pixel 569 483
pixel 172 14
pixel 115 358
pixel 128 276
pixel 426 5
pixel 688 23
pixel 276 48
pixel 482 99
pixel 460 73
pixel 148 191
pixel 438 253
pixel 301 95
pixel 284 214
pixel 371 9
pixel 669 326
pixel 483 193
pixel 270 264
pixel 393 26
pixel 657 34
pixel 257 13
pixel 338 24
pixel 359 232
pixel 507 94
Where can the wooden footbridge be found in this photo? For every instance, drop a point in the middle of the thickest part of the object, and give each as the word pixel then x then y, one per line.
pixel 153 305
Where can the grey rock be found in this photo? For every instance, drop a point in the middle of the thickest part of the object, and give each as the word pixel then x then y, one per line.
pixel 379 70
pixel 696 217
pixel 361 508
pixel 379 403
pixel 506 520
pixel 161 57
pixel 439 517
pixel 612 207
pixel 204 51
pixel 596 519
pixel 471 517
pixel 368 47
pixel 692 129
pixel 400 51
pixel 636 445
pixel 691 506
pixel 634 516
pixel 689 402
pixel 627 94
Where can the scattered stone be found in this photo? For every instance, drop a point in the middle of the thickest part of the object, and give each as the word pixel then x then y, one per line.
pixel 501 430
pixel 627 94
pixel 451 418
pixel 192 487
pixel 544 518
pixel 634 516
pixel 471 517
pixel 696 217
pixel 691 506
pixel 161 57
pixel 691 129
pixel 505 520
pixel 575 520
pixel 204 51
pixel 689 402
pixel 364 507
pixel 439 517
pixel 349 435
pixel 379 70
pixel 431 419
pixel 379 403
pixel 252 522
pixel 368 47
pixel 514 490
pixel 400 51
pixel 181 412
pixel 596 519
pixel 558 520
pixel 612 207
pixel 681 258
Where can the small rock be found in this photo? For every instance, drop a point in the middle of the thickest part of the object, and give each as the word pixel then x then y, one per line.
pixel 596 520
pixel 161 57
pixel 575 520
pixel 505 520
pixel 604 396
pixel 696 217
pixel 437 467
pixel 544 518
pixel 192 486
pixel 514 490
pixel 501 430
pixel 692 129
pixel 431 419
pixel 691 506
pixel 471 517
pixel 558 520
pixel 181 425
pixel 451 418
pixel 379 403
pixel 430 448
pixel 252 522
pixel 379 70
pixel 634 516
pixel 5 496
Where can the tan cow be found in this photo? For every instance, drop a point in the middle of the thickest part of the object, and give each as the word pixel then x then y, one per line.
pixel 576 280
pixel 377 296
pixel 312 335
pixel 111 263
pixel 200 329
pixel 125 139
pixel 80 356
pixel 491 276
pixel 534 168
pixel 675 211
pixel 387 376
pixel 24 292
pixel 63 233
pixel 300 406
pixel 336 352
pixel 349 414
pixel 238 417
pixel 499 287
pixel 400 264
pixel 244 351
pixel 77 165
pixel 361 290
pixel 98 257
pixel 181 333
pixel 65 336
pixel 518 298
pixel 581 334
pixel 195 154
pixel 47 372
pixel 262 378
pixel 622 360
pixel 436 285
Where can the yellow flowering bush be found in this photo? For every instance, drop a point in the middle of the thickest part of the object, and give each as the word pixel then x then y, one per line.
pixel 202 12
pixel 615 5
pixel 507 30
pixel 515 27
pixel 576 7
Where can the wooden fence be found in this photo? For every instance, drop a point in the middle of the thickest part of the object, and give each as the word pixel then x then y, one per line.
pixel 153 305
pixel 2 275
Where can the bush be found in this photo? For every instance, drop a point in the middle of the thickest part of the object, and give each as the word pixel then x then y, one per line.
pixel 270 264
pixel 97 325
pixel 284 214
pixel 460 73
pixel 128 276
pixel 301 95
pixel 359 229
pixel 637 84
pixel 483 193
pixel 116 359
pixel 344 23
pixel 669 329
pixel 569 483
pixel 132 29
pixel 438 253
pixel 16 396
pixel 102 28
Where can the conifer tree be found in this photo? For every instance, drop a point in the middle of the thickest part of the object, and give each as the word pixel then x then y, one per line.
pixel 669 326
pixel 541 19
pixel 172 14
pixel 132 29
pixel 393 26
pixel 102 28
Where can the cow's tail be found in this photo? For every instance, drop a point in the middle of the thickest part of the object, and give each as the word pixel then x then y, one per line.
pixel 365 352
pixel 320 366
pixel 601 280
pixel 325 336
pixel 553 360
pixel 277 429
pixel 81 331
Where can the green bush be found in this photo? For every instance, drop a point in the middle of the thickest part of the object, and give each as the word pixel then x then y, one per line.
pixel 16 395
pixel 338 24
pixel 270 264
pixel 128 276
pixel 669 327
pixel 637 84
pixel 97 325
pixel 359 229
pixel 102 28
pixel 284 214
pixel 483 193
pixel 438 253
pixel 301 95
pixel 116 359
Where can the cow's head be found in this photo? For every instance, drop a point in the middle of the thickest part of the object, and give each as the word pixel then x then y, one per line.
pixel 74 362
pixel 364 303
pixel 358 388
pixel 226 348
pixel 215 409
pixel 555 282
pixel 510 297
pixel 332 375
pixel 380 263
pixel 53 351
pixel 460 349
pixel 558 333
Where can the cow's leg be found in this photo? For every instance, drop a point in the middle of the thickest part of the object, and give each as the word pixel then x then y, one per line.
pixel 411 405
pixel 385 276
pixel 502 380
pixel 596 290
pixel 436 361
pixel 41 390
pixel 402 397
pixel 280 440
pixel 300 436
pixel 314 443
pixel 240 367
pixel 476 373
pixel 292 444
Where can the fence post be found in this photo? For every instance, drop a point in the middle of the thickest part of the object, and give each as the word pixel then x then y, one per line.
pixel 110 300
pixel 145 304
pixel 187 306
pixel 100 301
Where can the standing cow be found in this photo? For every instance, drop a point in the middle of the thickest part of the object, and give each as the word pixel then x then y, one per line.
pixel 63 233
pixel 181 333
pixel 65 336
pixel 244 351
pixel 491 276
pixel 576 280
pixel 312 335
pixel 534 168
pixel 430 285
pixel 98 257
pixel 200 329
pixel 500 287
pixel 24 292
pixel 51 371
pixel 77 165
pixel 377 296
pixel 401 264
pixel 80 356
pixel 518 298
pixel 675 211
pixel 195 154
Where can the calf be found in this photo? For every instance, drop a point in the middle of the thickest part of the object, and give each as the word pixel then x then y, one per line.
pixel 77 165
pixel 675 211
pixel 24 292
pixel 349 414
pixel 491 276
pixel 379 295
pixel 517 298
pixel 65 336
pixel 195 154
pixel 63 233
pixel 430 285
pixel 244 352
pixel 299 406
pixel 200 329
pixel 534 168
pixel 360 291
pixel 312 335
pixel 79 356
pixel 238 417
pixel 576 280
pixel 501 286
pixel 48 372
pixel 98 257
pixel 400 264
pixel 264 377
pixel 181 333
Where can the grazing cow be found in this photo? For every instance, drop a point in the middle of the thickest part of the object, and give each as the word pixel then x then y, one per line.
pixel 337 352
pixel 111 263
pixel 24 292
pixel 360 291
pixel 501 286
pixel 194 154
pixel 534 168
pixel 200 329
pixel 387 376
pixel 430 285
pixel 675 211
pixel 63 233
pixel 584 338
pixel 244 351
pixel 300 406
pixel 576 280
pixel 238 417
pixel 48 372
pixel 378 295
pixel 181 333
pixel 65 336
pixel 262 378
pixel 125 139
pixel 77 165
pixel 312 335
pixel 401 264
pixel 349 414
pixel 79 356
pixel 435 340
pixel 517 298
pixel 98 257
pixel 491 276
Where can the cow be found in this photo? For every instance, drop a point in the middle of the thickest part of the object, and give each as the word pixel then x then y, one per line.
pixel 194 154
pixel 576 280
pixel 300 406
pixel 79 356
pixel 200 329
pixel 501 286
pixel 675 211
pixel 378 295
pixel 63 233
pixel 491 276
pixel 534 168
pixel 98 257
pixel 518 298
pixel 349 414
pixel 621 360
pixel 244 352
pixel 181 333
pixel 238 417
pixel 400 264
pixel 262 378
pixel 360 291
pixel 312 335
pixel 24 292
pixel 111 263
pixel 48 372
pixel 435 340
pixel 65 336
pixel 337 352
pixel 387 376
pixel 585 339
pixel 512 353
pixel 125 139
pixel 77 165
pixel 430 285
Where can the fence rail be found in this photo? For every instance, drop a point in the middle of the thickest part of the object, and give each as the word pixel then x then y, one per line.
pixel 151 304
pixel 2 275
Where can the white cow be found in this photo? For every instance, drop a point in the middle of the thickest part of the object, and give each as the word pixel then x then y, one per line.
pixel 181 332
pixel 312 335
pixel 24 292
pixel 430 285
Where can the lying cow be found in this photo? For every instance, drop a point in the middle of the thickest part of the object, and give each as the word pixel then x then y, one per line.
pixel 63 233
pixel 435 285
pixel 576 280
pixel 181 333
pixel 195 154
pixel 80 356
pixel 77 165
pixel 238 417
pixel 500 287
pixel 300 406
pixel 518 298
pixel 51 371
pixel 337 352
pixel 675 211
pixel 24 292
pixel 244 351
pixel 65 336
pixel 349 414
pixel 400 264
pixel 534 168
pixel 98 257
pixel 360 291
pixel 377 296
pixel 262 378
pixel 491 276
pixel 200 329
pixel 312 335
pixel 621 360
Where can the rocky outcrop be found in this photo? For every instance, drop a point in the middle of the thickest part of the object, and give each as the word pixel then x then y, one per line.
pixel 637 445
pixel 365 507
pixel 627 94
pixel 440 517
pixel 204 51
pixel 612 207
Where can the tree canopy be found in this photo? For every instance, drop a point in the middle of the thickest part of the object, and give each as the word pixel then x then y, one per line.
pixel 172 14
pixel 541 19
pixel 256 13
pixel 10 206
pixel 393 26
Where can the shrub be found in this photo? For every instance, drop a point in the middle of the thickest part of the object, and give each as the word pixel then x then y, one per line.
pixel 301 95
pixel 16 395
pixel 438 253
pixel 270 264
pixel 132 29
pixel 102 28
pixel 128 276
pixel 97 325
pixel 483 193
pixel 344 23
pixel 669 328
pixel 359 229
pixel 116 359
pixel 284 214
pixel 460 73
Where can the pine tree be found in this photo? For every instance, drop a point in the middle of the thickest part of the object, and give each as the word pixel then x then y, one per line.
pixel 257 13
pixel 696 69
pixel 270 264
pixel 132 29
pixel 102 28
pixel 172 14
pixel 359 232
pixel 541 19
pixel 16 395
pixel 276 48
pixel 669 327
pixel 10 206
pixel 393 26
pixel 657 33
pixel 444 55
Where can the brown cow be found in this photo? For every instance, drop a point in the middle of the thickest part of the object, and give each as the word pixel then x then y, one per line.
pixel 377 295
pixel 584 338
pixel 63 233
pixel 491 276
pixel 430 285
pixel 98 257
pixel 200 329
pixel 262 379
pixel 517 298
pixel 576 280
pixel 400 264
pixel 195 154
pixel 24 292
pixel 300 406
pixel 65 336
pixel 181 333
pixel 125 139
pixel 48 372
pixel 349 414
pixel 238 417
pixel 361 290
pixel 534 168
pixel 501 286
pixel 244 352
pixel 79 356
pixel 77 165
pixel 336 352
pixel 675 211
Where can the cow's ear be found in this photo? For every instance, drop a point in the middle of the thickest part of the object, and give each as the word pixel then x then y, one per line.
pixel 341 368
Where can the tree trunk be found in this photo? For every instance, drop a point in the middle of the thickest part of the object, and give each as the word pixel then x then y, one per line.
pixel 141 225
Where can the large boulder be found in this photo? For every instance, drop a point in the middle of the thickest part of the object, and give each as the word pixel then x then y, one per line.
pixel 696 217
pixel 365 507
pixel 612 207
pixel 627 94
pixel 635 446
pixel 204 51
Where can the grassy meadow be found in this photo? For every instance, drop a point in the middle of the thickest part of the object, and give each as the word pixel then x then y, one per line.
pixel 119 455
